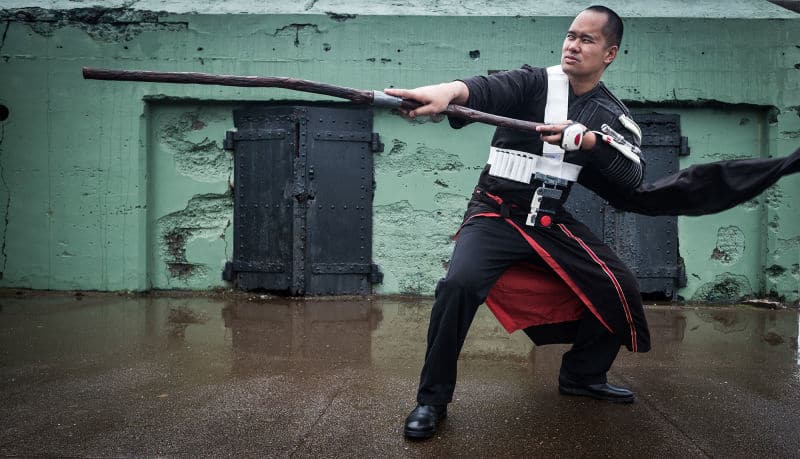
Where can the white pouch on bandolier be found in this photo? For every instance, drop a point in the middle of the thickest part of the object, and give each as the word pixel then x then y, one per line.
pixel 520 166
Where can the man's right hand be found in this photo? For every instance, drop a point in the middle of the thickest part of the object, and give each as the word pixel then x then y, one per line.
pixel 434 98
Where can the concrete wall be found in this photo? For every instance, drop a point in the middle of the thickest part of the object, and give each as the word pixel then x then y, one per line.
pixel 123 186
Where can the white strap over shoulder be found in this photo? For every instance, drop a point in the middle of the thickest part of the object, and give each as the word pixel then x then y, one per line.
pixel 556 109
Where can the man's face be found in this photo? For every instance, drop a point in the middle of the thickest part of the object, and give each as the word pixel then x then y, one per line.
pixel 585 52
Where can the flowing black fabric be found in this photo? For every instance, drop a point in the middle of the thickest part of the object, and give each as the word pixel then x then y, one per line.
pixel 700 189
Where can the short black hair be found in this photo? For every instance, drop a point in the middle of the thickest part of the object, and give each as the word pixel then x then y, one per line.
pixel 613 28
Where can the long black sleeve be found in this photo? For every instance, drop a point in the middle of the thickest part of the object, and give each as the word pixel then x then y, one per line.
pixel 700 189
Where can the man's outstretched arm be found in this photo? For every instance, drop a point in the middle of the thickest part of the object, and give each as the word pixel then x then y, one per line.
pixel 435 98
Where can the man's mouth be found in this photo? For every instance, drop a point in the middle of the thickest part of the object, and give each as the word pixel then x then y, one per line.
pixel 570 59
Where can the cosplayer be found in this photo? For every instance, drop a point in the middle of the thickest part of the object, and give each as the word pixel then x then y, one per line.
pixel 516 231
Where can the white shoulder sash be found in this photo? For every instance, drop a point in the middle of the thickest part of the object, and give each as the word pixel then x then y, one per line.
pixel 556 109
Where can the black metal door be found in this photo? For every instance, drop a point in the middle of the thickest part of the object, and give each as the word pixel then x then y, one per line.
pixel 303 199
pixel 648 245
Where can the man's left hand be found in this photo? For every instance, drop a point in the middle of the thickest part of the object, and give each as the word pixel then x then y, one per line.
pixel 551 133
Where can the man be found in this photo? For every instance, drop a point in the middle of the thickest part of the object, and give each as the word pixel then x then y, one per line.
pixel 516 216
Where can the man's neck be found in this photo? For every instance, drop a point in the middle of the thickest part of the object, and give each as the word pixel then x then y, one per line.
pixel 582 86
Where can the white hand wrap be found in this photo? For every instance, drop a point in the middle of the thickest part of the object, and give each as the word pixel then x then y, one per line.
pixel 572 137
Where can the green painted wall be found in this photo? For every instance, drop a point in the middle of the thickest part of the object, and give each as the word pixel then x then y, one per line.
pixel 122 186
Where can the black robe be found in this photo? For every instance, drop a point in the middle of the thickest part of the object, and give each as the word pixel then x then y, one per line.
pixel 521 298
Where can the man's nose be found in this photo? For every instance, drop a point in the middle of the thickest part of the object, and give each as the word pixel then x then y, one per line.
pixel 574 46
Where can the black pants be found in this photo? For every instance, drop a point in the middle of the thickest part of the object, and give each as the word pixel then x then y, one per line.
pixel 485 248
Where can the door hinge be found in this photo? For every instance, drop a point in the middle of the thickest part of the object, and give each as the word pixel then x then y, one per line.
pixel 376 145
pixel 681 273
pixel 375 275
pixel 685 150
pixel 227 144
pixel 227 273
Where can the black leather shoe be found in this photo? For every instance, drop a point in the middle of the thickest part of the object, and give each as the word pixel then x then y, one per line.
pixel 422 421
pixel 602 391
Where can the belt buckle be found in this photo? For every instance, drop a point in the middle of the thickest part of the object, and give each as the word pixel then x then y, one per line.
pixel 550 180
pixel 542 217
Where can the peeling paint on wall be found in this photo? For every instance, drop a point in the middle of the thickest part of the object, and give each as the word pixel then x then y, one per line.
pixel 339 17
pixel 294 29
pixel 782 281
pixel 195 155
pixel 402 161
pixel 205 217
pixel 725 288
pixel 775 271
pixel 418 243
pixel 774 223
pixel 103 24
pixel 785 245
pixel 783 277
pixel 773 196
pixel 730 245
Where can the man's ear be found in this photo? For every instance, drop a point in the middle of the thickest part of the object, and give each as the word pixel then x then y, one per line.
pixel 611 54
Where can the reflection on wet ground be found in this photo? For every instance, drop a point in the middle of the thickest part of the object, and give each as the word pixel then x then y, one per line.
pixel 106 375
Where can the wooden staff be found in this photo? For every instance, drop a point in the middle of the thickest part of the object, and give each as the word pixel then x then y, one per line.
pixel 358 96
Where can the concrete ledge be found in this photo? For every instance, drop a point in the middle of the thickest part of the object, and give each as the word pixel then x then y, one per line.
pixel 346 9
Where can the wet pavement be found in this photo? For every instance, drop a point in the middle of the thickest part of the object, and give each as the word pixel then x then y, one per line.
pixel 239 375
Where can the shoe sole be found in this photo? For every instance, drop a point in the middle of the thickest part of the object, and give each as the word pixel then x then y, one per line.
pixel 585 393
pixel 422 435
pixel 416 435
